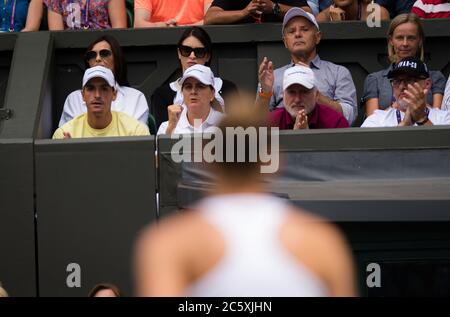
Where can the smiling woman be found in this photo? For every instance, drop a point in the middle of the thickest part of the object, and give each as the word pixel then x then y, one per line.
pixel 405 39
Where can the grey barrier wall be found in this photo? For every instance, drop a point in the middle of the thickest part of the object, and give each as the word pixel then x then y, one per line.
pixel 17 235
pixel 336 165
pixel 378 185
pixel 92 198
pixel 6 51
pixel 17 238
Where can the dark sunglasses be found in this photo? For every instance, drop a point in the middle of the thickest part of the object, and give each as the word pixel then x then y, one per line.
pixel 185 51
pixel 104 53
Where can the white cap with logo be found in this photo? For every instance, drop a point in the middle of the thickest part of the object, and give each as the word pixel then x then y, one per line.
pixel 200 72
pixel 301 75
pixel 298 12
pixel 99 72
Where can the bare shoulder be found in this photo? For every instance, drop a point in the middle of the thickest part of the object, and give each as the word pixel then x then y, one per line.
pixel 322 247
pixel 306 226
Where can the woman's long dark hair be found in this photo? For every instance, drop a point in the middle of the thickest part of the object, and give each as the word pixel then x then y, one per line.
pixel 201 35
pixel 120 65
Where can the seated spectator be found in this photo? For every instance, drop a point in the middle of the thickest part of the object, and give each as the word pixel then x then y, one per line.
pixel 20 15
pixel 196 114
pixel 446 100
pixel 194 47
pixel 431 9
pixel 106 51
pixel 396 7
pixel 334 83
pixel 82 15
pixel 301 110
pixel 405 39
pixel 410 82
pixel 98 93
pixel 105 290
pixel 348 10
pixel 250 11
pixel 157 13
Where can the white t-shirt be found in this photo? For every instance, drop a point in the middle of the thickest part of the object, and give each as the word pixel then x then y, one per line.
pixel 129 100
pixel 446 100
pixel 388 118
pixel 183 125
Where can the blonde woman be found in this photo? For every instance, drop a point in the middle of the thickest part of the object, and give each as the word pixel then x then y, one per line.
pixel 405 38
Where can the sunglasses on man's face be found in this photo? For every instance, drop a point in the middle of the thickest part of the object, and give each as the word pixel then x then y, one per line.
pixel 186 51
pixel 104 53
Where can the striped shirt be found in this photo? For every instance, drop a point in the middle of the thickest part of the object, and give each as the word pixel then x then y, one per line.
pixel 432 9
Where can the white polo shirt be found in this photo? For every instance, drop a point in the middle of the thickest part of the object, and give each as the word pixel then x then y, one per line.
pixel 388 118
pixel 183 125
pixel 129 100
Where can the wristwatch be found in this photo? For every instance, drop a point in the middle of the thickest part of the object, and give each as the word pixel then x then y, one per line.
pixel 276 9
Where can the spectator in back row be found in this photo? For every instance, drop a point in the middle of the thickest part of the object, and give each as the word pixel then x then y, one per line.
pixel 87 14
pixel 194 47
pixel 410 83
pixel 106 51
pixel 160 13
pixel 348 10
pixel 431 9
pixel 405 39
pixel 335 86
pixel 301 110
pixel 20 15
pixel 98 93
pixel 396 7
pixel 250 11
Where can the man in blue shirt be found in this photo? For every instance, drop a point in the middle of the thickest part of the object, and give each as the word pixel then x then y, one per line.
pixel 301 35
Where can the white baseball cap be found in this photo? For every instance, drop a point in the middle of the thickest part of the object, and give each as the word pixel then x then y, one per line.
pixel 299 75
pixel 99 72
pixel 298 12
pixel 200 72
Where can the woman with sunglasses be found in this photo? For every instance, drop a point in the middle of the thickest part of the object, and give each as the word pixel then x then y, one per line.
pixel 85 14
pixel 20 15
pixel 106 51
pixel 195 114
pixel 194 47
pixel 405 39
